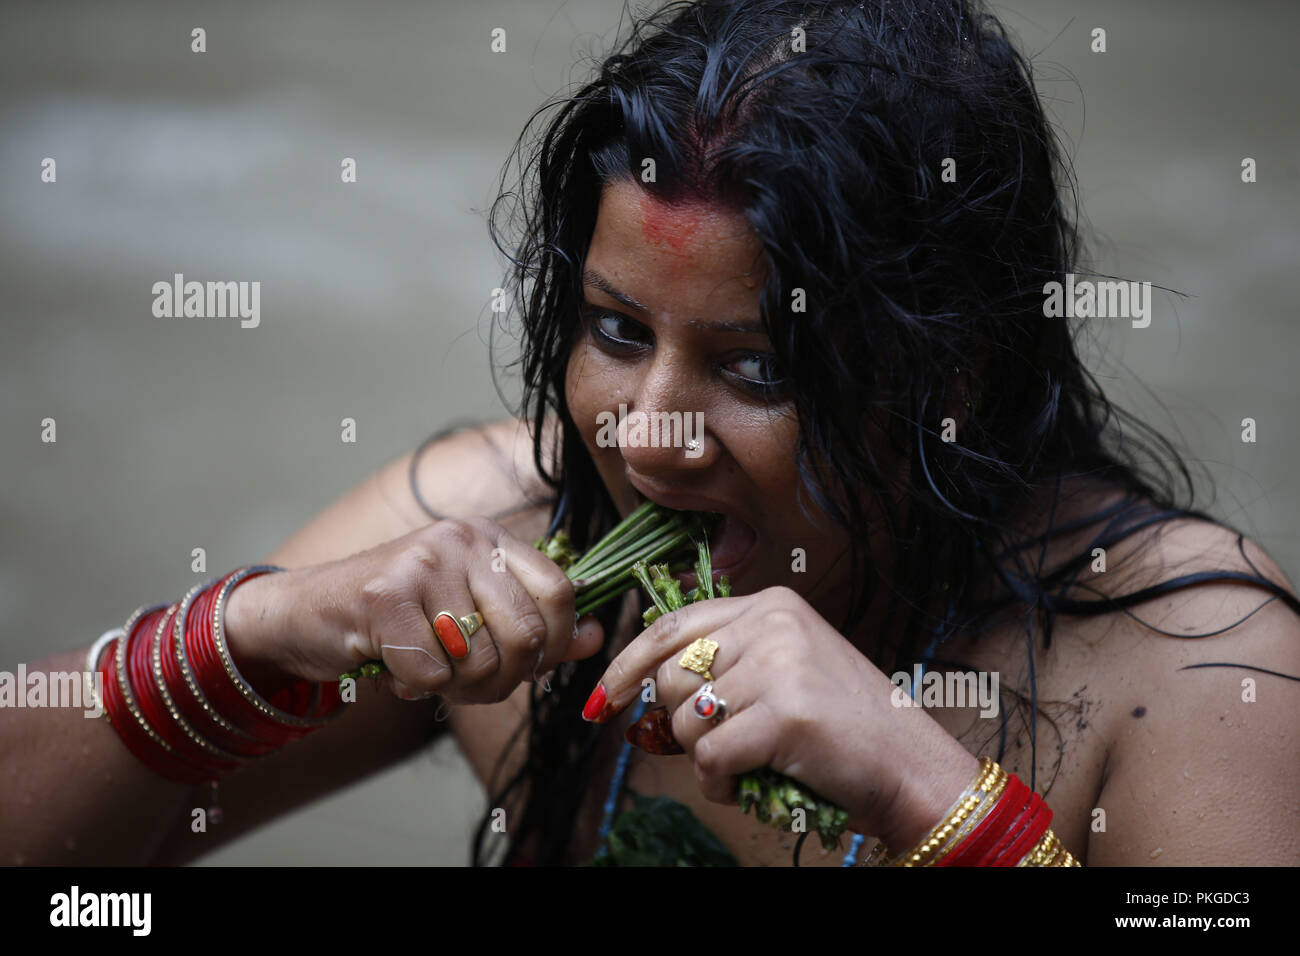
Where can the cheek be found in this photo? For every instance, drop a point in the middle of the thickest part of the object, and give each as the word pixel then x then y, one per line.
pixel 590 387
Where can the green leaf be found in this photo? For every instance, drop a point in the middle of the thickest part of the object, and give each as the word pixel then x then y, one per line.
pixel 659 831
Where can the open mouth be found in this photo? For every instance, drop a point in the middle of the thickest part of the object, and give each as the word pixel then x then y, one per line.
pixel 732 541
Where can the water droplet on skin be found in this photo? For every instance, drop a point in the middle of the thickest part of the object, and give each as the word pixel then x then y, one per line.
pixel 1157 851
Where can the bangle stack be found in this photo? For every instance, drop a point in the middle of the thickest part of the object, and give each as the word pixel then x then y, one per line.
pixel 175 697
pixel 997 821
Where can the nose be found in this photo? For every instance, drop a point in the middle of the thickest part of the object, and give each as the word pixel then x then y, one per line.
pixel 662 432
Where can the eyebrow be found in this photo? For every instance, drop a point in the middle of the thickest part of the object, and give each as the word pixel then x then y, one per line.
pixel 594 278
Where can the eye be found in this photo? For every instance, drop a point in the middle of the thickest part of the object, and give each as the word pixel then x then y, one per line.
pixel 756 372
pixel 614 331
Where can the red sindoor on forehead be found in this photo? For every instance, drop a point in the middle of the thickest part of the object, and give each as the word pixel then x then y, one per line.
pixel 671 226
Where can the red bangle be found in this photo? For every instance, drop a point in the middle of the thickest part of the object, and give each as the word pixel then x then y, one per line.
pixel 207 693
pixel 187 695
pixel 217 684
pixel 142 690
pixel 1037 825
pixel 140 738
pixel 971 851
pixel 176 699
pixel 303 700
pixel 294 712
pixel 1019 827
pixel 160 707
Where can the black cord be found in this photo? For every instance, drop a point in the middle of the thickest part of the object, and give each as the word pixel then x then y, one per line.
pixel 798 845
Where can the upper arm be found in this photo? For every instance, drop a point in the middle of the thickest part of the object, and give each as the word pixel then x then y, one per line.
pixel 1204 763
pixel 483 471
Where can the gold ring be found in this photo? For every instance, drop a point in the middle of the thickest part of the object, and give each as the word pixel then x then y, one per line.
pixel 454 632
pixel 699 657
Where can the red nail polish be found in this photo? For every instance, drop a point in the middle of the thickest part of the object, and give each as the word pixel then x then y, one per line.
pixel 595 703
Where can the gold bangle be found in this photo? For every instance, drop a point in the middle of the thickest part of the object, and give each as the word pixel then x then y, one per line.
pixel 971 806
pixel 1049 851
pixel 992 792
pixel 975 803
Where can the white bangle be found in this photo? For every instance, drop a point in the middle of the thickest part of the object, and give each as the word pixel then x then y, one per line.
pixel 92 665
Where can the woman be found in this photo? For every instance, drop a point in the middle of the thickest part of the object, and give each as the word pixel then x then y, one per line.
pixel 825 229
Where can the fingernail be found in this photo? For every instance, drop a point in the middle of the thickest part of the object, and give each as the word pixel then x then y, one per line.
pixel 595 704
pixel 653 733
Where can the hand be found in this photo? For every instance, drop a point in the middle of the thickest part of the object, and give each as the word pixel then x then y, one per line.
pixel 381 604
pixel 802 700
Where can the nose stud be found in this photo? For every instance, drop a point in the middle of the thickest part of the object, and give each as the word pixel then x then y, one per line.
pixel 693 445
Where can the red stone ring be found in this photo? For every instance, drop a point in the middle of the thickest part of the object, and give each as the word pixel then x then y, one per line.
pixel 454 632
pixel 709 705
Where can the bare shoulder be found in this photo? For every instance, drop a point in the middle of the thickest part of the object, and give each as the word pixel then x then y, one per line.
pixel 486 470
pixel 1203 684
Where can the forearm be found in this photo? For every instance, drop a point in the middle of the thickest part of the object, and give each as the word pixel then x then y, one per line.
pixel 74 792
pixel 70 792
pixel 376 732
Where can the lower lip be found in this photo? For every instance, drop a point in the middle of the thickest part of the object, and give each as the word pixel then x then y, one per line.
pixel 729 535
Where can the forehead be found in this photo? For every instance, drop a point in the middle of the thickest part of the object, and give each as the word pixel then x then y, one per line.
pixel 683 247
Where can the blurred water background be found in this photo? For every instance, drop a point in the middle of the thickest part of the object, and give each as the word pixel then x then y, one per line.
pixel 375 295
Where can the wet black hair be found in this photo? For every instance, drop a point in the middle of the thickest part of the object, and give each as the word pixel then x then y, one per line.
pixel 830 125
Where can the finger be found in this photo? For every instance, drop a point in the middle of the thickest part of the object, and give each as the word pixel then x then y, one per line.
pixel 402 690
pixel 518 626
pixel 741 743
pixel 664 640
pixel 471 659
pixel 410 650
pixel 549 588
pixel 735 692
pixel 589 637
pixel 674 684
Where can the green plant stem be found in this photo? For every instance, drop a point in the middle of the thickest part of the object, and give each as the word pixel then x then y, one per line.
pixel 774 797
pixel 650 532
